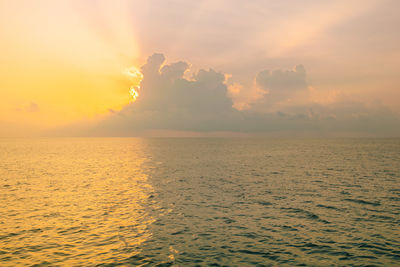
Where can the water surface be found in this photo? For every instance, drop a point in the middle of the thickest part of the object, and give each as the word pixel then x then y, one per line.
pixel 186 201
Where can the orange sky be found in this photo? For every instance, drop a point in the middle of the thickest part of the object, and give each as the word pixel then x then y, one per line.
pixel 66 61
pixel 53 59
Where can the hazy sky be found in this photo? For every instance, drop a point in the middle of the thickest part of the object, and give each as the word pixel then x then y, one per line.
pixel 296 67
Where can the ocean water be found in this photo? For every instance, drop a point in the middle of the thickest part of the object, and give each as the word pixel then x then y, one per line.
pixel 200 202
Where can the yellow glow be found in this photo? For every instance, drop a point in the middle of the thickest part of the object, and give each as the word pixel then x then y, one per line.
pixel 69 68
pixel 111 207
pixel 134 74
pixel 134 93
pixel 135 77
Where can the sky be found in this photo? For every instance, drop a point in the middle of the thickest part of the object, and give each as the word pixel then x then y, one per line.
pixel 128 68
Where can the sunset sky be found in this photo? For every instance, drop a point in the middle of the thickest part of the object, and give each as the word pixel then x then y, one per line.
pixel 69 67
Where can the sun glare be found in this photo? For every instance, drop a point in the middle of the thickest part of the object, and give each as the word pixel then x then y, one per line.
pixel 135 76
pixel 134 92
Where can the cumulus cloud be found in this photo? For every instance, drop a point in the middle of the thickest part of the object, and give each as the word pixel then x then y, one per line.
pixel 282 80
pixel 164 88
pixel 282 88
pixel 168 101
pixel 272 90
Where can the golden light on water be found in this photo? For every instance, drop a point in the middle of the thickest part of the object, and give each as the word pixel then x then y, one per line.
pixel 106 209
pixel 135 76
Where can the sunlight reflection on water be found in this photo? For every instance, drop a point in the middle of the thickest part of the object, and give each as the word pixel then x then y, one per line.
pixel 90 201
pixel 73 201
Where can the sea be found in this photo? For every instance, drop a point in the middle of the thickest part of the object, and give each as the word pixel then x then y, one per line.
pixel 199 202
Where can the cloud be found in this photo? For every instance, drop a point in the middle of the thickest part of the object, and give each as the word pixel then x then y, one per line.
pixel 282 88
pixel 283 80
pixel 169 101
pixel 272 90
pixel 33 107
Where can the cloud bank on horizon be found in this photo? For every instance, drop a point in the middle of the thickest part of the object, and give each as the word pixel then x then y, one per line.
pixel 173 99
pixel 320 67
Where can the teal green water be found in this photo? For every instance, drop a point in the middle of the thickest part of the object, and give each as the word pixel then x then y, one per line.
pixel 205 202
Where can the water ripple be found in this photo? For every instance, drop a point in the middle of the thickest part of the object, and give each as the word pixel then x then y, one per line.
pixel 200 202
